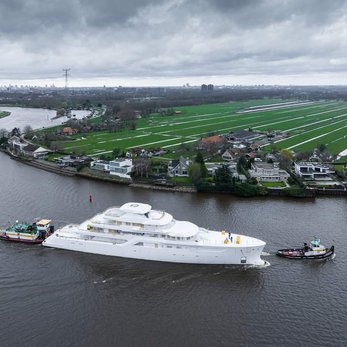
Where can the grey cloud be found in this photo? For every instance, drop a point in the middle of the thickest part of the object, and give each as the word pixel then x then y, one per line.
pixel 168 38
pixel 251 13
pixel 105 12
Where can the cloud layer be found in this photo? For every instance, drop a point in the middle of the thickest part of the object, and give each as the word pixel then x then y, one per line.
pixel 171 41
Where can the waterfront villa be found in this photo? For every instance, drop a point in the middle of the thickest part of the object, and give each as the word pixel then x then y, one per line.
pixel 178 167
pixel 268 172
pixel 121 167
pixel 101 165
pixel 22 147
pixel 313 170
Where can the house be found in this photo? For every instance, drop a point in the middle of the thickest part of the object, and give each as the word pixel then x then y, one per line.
pixel 212 167
pixel 68 131
pixel 41 152
pixel 214 139
pixel 254 147
pixel 22 147
pixel 230 154
pixel 268 172
pixel 16 143
pixel 270 157
pixel 73 160
pixel 313 170
pixel 240 135
pixel 251 155
pixel 178 167
pixel 29 150
pixel 211 144
pixel 101 165
pixel 121 167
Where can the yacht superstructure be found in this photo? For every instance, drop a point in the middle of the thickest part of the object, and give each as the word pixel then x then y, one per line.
pixel 135 230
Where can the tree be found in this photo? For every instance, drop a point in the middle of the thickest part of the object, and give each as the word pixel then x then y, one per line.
pixel 116 152
pixel 286 158
pixel 3 133
pixel 3 136
pixel 243 164
pixel 141 167
pixel 322 147
pixel 28 131
pixel 194 171
pixel 223 179
pixel 199 159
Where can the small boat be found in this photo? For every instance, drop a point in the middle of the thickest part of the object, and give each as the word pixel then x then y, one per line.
pixel 315 250
pixel 34 232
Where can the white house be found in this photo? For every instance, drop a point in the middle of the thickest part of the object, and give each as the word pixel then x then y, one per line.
pixel 268 172
pixel 101 165
pixel 121 167
pixel 16 143
pixel 178 167
pixel 229 155
pixel 41 152
pixel 313 170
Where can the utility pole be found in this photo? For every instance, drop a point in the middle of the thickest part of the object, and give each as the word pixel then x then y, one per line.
pixel 66 74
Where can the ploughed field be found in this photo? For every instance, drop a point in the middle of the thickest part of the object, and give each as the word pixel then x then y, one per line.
pixel 307 125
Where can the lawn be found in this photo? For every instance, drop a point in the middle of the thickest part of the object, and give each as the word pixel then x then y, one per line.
pixel 306 125
pixel 273 184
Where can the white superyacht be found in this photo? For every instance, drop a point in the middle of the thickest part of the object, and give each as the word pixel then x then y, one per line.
pixel 135 230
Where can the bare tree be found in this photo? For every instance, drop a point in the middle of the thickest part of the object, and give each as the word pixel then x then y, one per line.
pixel 28 131
pixel 3 133
pixel 141 167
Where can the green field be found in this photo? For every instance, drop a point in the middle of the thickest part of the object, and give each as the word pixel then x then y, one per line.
pixel 306 125
pixel 4 114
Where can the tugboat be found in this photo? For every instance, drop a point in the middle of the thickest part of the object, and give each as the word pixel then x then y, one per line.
pixel 34 233
pixel 315 250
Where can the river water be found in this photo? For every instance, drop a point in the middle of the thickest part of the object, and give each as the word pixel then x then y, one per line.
pixel 35 117
pixel 53 297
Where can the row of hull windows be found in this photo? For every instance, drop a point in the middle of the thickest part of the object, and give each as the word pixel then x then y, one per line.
pixel 112 231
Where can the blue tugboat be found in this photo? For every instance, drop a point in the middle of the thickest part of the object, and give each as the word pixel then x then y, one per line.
pixel 315 250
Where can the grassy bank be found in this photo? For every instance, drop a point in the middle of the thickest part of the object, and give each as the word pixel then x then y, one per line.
pixel 4 114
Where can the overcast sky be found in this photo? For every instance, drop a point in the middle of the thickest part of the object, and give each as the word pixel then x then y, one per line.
pixel 173 42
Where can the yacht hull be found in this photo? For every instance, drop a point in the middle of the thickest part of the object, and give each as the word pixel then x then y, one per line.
pixel 190 254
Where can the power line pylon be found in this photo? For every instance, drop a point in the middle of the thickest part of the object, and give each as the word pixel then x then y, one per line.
pixel 66 74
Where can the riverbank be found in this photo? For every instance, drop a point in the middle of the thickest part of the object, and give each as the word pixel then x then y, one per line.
pixel 95 175
pixel 106 177
pixel 47 166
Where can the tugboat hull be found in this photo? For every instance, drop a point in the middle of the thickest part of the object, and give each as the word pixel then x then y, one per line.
pixel 299 253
